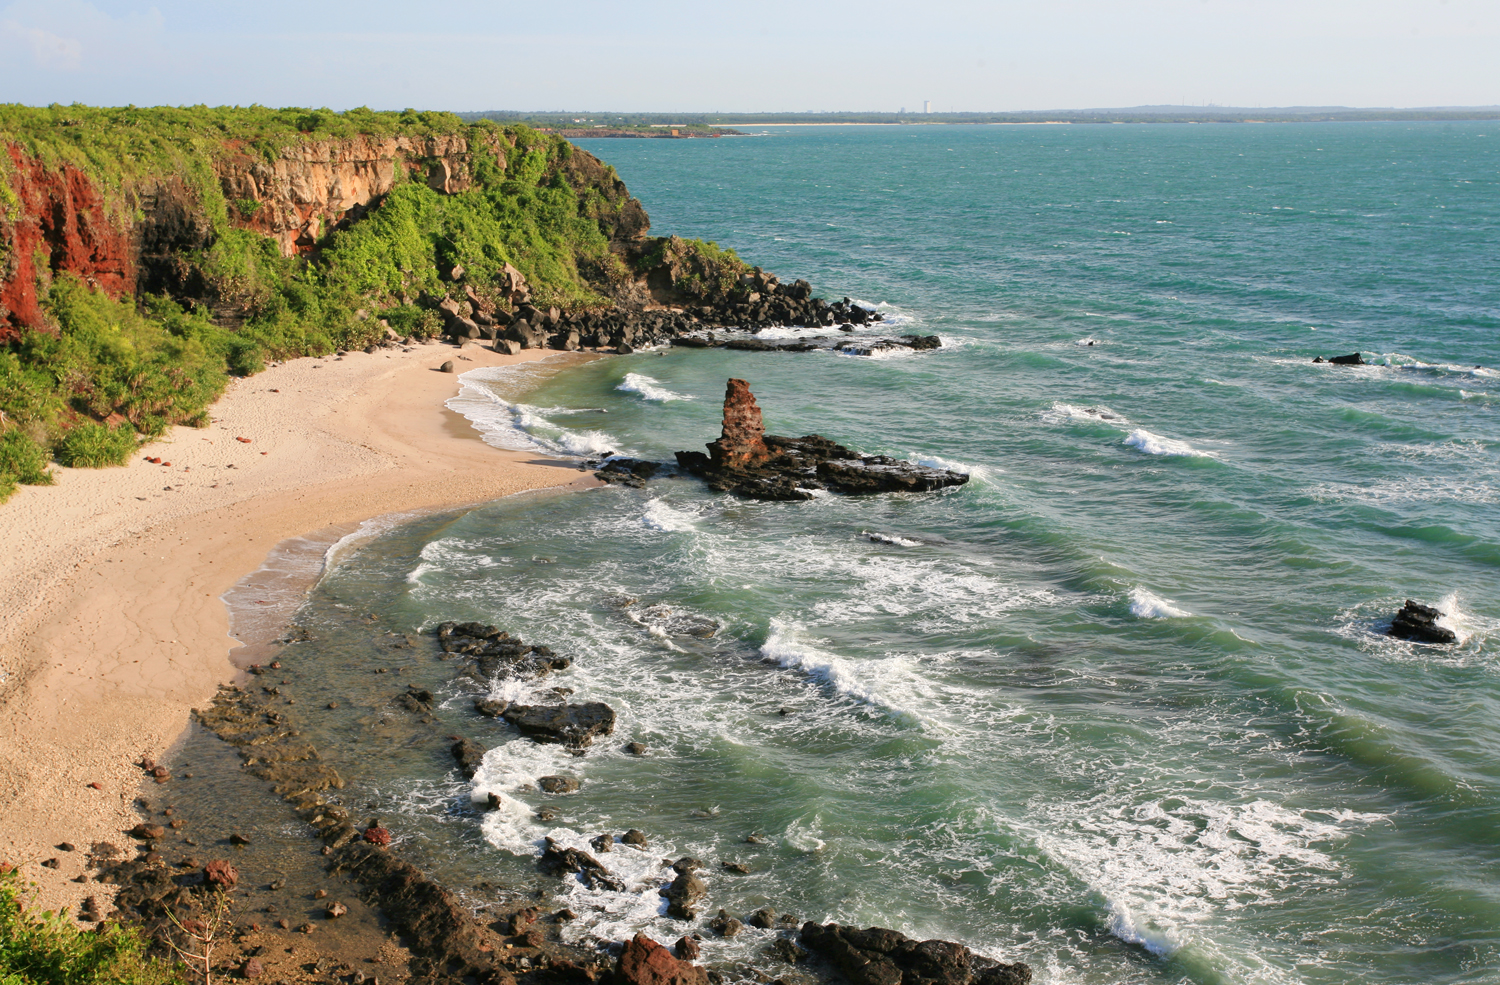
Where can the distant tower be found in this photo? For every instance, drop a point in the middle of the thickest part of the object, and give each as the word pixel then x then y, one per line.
pixel 927 106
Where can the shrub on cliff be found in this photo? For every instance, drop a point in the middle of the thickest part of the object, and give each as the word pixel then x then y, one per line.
pixel 47 949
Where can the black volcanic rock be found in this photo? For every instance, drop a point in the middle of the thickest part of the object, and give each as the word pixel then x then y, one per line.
pixel 875 956
pixel 1418 623
pixel 557 860
pixel 574 725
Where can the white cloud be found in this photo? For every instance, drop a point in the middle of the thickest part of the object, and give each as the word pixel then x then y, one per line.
pixel 52 46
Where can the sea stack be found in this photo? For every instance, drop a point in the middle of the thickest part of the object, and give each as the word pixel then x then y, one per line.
pixel 743 439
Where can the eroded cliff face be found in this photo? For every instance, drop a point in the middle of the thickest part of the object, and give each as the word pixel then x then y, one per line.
pixel 309 188
pixel 146 239
pixel 58 221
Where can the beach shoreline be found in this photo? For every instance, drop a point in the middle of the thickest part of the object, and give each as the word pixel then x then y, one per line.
pixel 113 618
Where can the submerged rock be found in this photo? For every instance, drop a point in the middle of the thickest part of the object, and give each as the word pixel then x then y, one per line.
pixel 1418 623
pixel 875 956
pixel 748 462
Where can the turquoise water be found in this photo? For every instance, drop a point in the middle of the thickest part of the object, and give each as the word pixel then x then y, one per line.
pixel 1121 707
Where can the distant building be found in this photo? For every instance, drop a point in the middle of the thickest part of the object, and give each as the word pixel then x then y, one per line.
pixel 927 106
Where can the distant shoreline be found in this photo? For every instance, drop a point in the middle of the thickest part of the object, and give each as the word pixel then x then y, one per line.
pixel 685 125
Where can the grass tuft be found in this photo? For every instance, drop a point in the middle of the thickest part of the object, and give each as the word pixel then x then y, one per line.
pixel 47 949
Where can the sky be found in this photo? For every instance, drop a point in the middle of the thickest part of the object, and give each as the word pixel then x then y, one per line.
pixel 769 56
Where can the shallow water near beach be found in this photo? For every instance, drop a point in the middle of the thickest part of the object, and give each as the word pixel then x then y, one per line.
pixel 1121 707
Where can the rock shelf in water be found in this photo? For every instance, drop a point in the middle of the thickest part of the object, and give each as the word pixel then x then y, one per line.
pixel 747 461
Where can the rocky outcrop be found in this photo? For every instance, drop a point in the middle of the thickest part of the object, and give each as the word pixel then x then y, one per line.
pixel 575 725
pixel 883 957
pixel 1418 623
pixel 494 653
pixel 1353 359
pixel 746 461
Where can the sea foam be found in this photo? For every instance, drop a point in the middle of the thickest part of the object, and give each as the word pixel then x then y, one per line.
pixel 648 388
pixel 1155 444
pixel 1146 605
pixel 519 426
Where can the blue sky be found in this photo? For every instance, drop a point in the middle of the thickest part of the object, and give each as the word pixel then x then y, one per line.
pixel 774 55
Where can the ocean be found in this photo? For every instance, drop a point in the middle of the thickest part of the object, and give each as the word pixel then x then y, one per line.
pixel 1121 707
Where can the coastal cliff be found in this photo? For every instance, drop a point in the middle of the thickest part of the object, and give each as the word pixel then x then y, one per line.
pixel 148 254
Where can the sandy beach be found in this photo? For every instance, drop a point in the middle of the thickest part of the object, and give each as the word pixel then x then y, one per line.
pixel 112 627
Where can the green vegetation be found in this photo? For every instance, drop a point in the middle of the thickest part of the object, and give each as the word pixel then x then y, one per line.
pixel 47 949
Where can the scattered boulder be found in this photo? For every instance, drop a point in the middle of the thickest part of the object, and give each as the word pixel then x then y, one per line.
pixel 1353 359
pixel 446 367
pixel 765 918
pixel 336 910
pixel 687 949
pixel 645 962
pixel 1418 623
pixel 883 957
pixel 724 925
pixel 149 832
pixel 684 894
pixel 636 748
pixel 602 843
pixel 222 873
pixel 635 836
pixel 786 950
pixel 252 968
pixel 419 700
pixel 377 836
pixel 558 784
